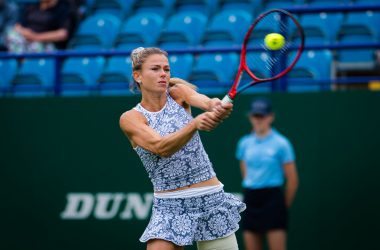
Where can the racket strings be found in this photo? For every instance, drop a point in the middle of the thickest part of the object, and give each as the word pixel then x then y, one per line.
pixel 268 61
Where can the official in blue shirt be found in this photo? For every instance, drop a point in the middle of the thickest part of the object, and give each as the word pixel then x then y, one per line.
pixel 267 163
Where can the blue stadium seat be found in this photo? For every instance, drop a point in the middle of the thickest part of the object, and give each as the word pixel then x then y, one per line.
pixel 227 28
pixel 369 21
pixel 120 8
pixel 321 28
pixel 252 6
pixel 264 28
pixel 96 32
pixel 160 7
pixel 207 7
pixel 275 4
pixel 116 76
pixel 139 30
pixel 357 28
pixel 35 77
pixel 327 2
pixel 181 65
pixel 312 72
pixel 214 72
pixel 8 69
pixel 184 29
pixel 256 62
pixel 79 75
pixel 366 1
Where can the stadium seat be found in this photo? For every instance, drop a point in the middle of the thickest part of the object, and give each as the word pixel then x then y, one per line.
pixel 368 21
pixel 227 28
pixel 160 7
pixel 181 65
pixel 120 8
pixel 184 29
pixel 275 4
pixel 357 28
pixel 264 28
pixel 207 7
pixel 214 72
pixel 35 77
pixel 116 76
pixel 256 62
pixel 321 28
pixel 252 6
pixel 8 69
pixel 79 75
pixel 366 1
pixel 96 32
pixel 139 30
pixel 327 2
pixel 312 72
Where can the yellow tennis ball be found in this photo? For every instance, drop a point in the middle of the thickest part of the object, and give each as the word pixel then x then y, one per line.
pixel 274 41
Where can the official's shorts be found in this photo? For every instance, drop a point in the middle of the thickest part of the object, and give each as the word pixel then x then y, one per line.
pixel 266 210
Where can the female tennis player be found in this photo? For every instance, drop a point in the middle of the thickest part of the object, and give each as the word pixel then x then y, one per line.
pixel 189 202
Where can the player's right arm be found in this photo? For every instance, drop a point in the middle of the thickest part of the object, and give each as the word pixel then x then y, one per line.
pixel 135 127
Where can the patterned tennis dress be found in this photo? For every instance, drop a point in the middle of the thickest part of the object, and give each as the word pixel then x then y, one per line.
pixel 184 219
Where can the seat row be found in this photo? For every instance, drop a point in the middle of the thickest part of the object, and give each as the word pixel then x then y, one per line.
pixel 210 72
pixel 123 8
pixel 192 28
pixel 227 28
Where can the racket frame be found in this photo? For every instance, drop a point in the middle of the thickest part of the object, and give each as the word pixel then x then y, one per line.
pixel 243 64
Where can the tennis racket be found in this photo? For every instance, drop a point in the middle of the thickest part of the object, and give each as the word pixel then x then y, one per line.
pixel 262 57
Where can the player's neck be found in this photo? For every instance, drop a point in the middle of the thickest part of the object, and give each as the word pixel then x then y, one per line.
pixel 153 103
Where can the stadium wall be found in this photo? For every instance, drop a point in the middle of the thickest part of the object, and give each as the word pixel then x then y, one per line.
pixel 70 180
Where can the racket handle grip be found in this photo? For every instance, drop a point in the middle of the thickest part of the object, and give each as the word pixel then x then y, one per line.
pixel 226 99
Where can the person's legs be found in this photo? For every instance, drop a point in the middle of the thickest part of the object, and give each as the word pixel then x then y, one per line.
pixel 253 241
pixel 227 243
pixel 277 239
pixel 158 244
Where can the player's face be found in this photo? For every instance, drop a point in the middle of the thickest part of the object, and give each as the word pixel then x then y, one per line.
pixel 155 73
pixel 260 123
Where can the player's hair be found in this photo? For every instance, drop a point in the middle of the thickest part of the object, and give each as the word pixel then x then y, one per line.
pixel 138 57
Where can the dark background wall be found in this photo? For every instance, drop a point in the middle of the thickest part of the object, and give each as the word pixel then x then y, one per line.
pixel 53 148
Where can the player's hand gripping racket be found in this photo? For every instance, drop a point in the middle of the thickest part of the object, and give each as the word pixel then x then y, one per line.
pixel 274 35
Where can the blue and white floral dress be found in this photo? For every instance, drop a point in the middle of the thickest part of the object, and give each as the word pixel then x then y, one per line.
pixel 202 216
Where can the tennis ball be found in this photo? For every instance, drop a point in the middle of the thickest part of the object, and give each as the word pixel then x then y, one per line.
pixel 274 41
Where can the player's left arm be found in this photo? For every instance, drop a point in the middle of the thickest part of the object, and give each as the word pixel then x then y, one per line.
pixel 184 93
pixel 291 175
pixel 189 97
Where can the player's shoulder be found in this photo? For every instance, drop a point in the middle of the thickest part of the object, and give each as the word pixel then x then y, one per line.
pixel 178 93
pixel 131 115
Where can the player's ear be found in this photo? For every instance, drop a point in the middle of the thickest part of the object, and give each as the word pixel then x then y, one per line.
pixel 137 76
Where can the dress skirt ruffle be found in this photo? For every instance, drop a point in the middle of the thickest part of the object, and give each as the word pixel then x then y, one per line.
pixel 187 220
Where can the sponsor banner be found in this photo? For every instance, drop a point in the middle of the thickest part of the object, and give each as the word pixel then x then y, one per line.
pixel 108 206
